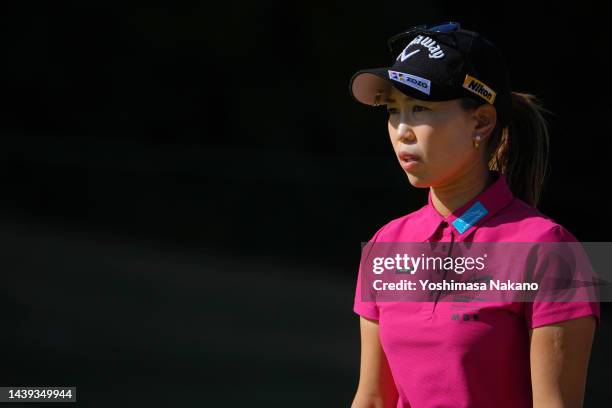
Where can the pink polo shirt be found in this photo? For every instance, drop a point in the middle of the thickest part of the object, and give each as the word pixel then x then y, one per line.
pixel 482 358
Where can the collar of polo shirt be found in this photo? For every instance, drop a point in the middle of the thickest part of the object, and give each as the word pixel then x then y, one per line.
pixel 466 219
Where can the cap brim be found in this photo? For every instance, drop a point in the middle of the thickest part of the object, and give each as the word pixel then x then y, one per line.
pixel 367 83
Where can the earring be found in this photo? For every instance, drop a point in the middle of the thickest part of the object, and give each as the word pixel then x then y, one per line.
pixel 476 141
pixel 377 99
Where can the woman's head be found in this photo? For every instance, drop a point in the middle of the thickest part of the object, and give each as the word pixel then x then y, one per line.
pixel 450 140
pixel 462 118
pixel 441 136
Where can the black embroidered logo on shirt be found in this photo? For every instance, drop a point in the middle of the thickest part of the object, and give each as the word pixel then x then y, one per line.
pixel 464 316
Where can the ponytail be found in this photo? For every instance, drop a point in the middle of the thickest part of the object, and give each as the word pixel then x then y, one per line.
pixel 520 151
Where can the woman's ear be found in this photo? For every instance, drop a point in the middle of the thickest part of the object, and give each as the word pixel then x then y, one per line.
pixel 486 118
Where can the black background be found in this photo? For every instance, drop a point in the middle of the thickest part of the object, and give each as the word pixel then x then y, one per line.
pixel 185 187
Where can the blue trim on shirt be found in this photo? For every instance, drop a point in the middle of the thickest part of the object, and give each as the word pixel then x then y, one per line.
pixel 470 217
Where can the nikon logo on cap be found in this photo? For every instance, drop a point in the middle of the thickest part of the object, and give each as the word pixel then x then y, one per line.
pixel 479 88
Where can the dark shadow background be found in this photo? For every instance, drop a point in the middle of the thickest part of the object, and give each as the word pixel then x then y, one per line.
pixel 185 186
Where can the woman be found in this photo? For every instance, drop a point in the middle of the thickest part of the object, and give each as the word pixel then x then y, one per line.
pixel 458 129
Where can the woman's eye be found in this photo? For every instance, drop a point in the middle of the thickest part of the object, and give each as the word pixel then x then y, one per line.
pixel 415 109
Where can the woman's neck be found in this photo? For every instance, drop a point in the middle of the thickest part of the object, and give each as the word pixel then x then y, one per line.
pixel 446 198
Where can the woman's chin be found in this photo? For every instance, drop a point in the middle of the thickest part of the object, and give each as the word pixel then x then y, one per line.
pixel 417 180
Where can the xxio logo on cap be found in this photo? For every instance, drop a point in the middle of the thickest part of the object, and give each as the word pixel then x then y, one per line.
pixel 413 81
pixel 479 88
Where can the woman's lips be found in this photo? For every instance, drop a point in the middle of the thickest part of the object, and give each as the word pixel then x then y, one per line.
pixel 408 160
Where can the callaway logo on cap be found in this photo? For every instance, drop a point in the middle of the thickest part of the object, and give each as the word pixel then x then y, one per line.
pixel 438 63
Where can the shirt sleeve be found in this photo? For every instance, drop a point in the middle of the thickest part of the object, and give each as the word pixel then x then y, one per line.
pixel 368 309
pixel 541 313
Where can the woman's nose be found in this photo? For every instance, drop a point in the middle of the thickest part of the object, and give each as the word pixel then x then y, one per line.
pixel 404 132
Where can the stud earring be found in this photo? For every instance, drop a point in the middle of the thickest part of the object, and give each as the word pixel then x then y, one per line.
pixel 377 99
pixel 476 141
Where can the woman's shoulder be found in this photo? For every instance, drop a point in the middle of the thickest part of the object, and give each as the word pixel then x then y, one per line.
pixel 532 223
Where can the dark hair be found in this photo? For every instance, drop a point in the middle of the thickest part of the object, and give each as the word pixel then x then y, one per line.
pixel 520 151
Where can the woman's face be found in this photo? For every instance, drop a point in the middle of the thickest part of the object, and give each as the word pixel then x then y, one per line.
pixel 438 134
